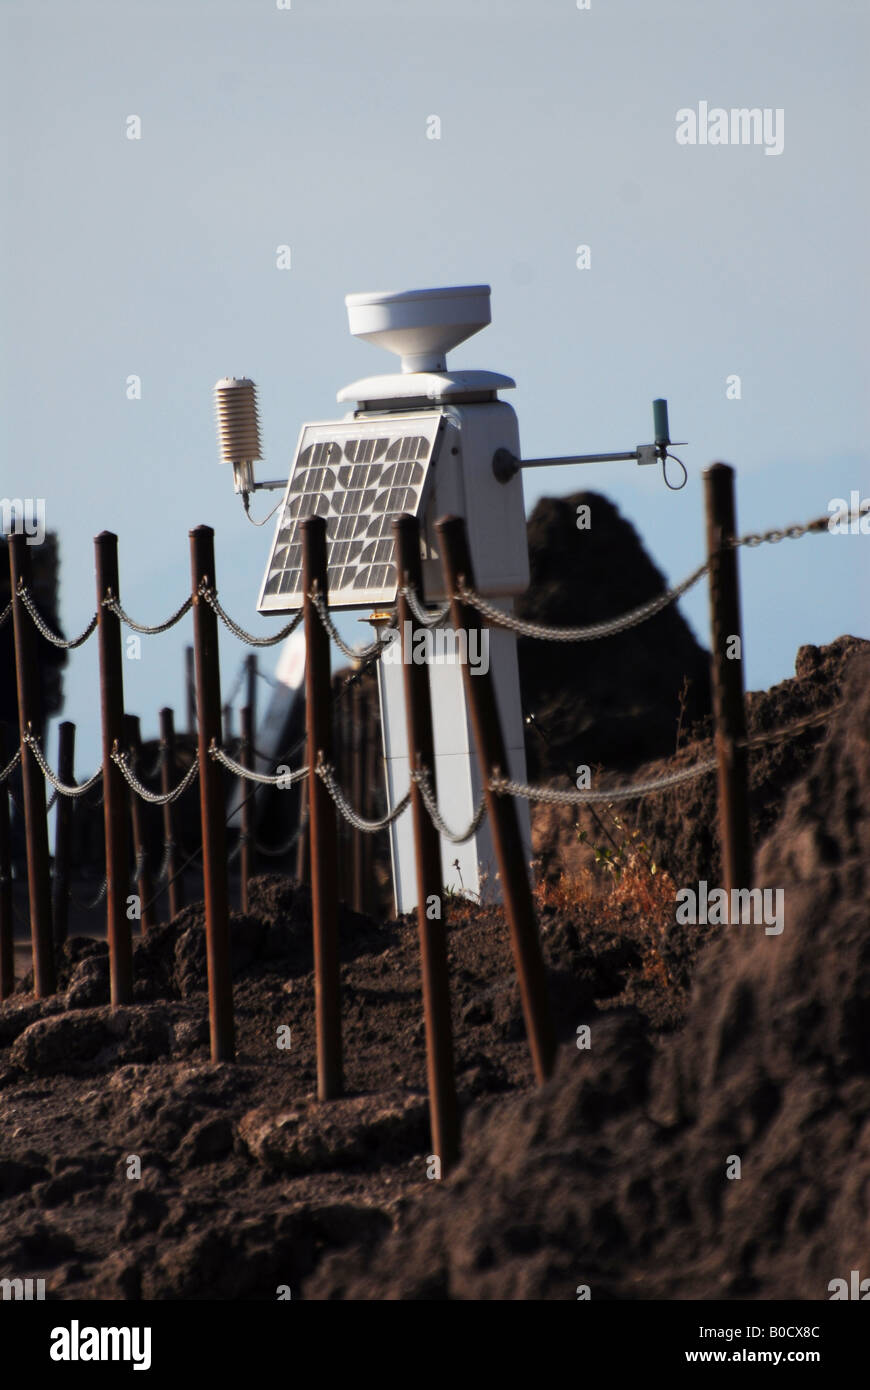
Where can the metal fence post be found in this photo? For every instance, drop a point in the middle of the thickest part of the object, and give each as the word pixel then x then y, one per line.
pixel 7 925
pixel 174 880
pixel 369 718
pixel 139 822
pixel 63 824
pixel 114 786
pixel 190 690
pixel 32 779
pixel 211 799
pixel 504 823
pixel 358 790
pixel 251 670
pixel 729 710
pixel 246 854
pixel 433 931
pixel 321 815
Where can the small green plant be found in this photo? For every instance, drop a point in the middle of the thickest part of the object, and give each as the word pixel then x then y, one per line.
pixel 627 852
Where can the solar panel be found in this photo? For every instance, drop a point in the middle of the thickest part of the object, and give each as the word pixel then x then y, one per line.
pixel 359 475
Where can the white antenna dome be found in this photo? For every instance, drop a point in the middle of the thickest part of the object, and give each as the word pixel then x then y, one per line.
pixel 420 326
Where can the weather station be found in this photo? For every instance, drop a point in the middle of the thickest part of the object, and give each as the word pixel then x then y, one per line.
pixel 430 441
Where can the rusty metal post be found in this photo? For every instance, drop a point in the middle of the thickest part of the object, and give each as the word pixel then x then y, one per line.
pixel 174 885
pixel 7 931
pixel 246 758
pixel 345 777
pixel 358 786
pixel 321 813
pixel 211 799
pixel 63 824
pixel 114 787
pixel 369 801
pixel 139 822
pixel 504 823
pixel 726 665
pixel 251 668
pixel 33 781
pixel 190 689
pixel 433 932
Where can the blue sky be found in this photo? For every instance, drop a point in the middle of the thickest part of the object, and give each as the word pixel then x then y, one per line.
pixel 307 126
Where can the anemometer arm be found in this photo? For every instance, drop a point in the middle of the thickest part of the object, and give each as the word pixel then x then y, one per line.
pixel 506 465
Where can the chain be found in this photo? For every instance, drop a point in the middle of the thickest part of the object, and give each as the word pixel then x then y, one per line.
pixel 51 800
pixel 282 779
pixel 6 612
pixel 423 781
pixel 821 523
pixel 792 533
pixel 114 606
pixel 46 631
pixel 554 796
pixel 104 886
pixel 211 599
pixel 325 772
pixel 122 761
pixel 62 787
pixel 421 614
pixel 352 653
pixel 820 717
pixel 551 795
pixel 89 907
pixel 580 634
pixel 168 847
pixel 11 765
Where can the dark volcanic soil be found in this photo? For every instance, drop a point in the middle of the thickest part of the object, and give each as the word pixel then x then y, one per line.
pixel 679 826
pixel 614 1175
pixel 246 1182
pixel 706 1044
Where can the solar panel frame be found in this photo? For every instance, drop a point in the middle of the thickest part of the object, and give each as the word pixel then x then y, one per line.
pixel 359 474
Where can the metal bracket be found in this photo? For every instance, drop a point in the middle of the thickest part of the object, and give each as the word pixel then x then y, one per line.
pixel 506 465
